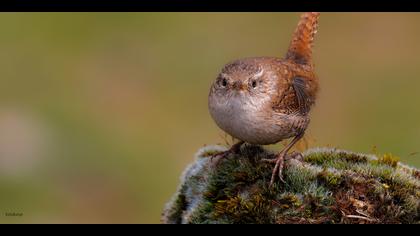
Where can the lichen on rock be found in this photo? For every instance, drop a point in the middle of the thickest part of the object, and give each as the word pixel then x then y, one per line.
pixel 329 186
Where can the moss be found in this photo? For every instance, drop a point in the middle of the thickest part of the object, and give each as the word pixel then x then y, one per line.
pixel 174 214
pixel 330 178
pixel 335 157
pixel 416 174
pixel 389 159
pixel 329 186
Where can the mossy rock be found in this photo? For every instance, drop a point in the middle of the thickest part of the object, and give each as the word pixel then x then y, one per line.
pixel 329 186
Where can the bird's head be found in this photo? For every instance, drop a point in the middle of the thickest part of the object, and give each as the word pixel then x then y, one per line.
pixel 244 79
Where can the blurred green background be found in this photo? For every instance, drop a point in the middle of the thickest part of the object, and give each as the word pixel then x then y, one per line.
pixel 101 112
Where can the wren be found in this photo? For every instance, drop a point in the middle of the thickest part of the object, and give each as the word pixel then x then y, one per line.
pixel 264 100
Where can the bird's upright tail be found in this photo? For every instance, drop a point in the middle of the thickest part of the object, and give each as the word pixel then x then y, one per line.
pixel 300 49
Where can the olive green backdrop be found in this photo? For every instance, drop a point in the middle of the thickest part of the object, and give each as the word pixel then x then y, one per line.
pixel 101 112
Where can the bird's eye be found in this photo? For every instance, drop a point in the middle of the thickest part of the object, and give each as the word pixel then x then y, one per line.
pixel 254 84
pixel 224 82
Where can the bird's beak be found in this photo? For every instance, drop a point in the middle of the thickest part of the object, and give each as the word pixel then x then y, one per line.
pixel 239 86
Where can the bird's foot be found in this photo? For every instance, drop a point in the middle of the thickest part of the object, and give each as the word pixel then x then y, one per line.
pixel 234 149
pixel 279 160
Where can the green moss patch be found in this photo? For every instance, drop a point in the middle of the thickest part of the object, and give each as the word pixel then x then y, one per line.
pixel 329 186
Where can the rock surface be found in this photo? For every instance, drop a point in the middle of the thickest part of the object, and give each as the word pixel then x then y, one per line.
pixel 329 186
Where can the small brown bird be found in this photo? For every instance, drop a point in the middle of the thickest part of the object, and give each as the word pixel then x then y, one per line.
pixel 264 100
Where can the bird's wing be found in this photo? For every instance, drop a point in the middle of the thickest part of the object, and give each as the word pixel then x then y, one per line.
pixel 301 95
pixel 293 99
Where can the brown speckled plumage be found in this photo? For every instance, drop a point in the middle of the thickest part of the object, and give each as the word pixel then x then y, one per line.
pixel 263 100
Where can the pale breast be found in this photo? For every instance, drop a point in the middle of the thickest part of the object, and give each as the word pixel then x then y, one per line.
pixel 251 121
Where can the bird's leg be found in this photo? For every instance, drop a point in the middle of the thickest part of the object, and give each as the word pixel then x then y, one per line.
pixel 234 149
pixel 280 157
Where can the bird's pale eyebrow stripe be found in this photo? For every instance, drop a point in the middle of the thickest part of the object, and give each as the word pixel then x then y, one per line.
pixel 259 73
pixel 224 75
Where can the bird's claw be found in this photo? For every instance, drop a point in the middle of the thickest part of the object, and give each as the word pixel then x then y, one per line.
pixel 268 160
pixel 279 161
pixel 234 149
pixel 278 168
pixel 220 155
